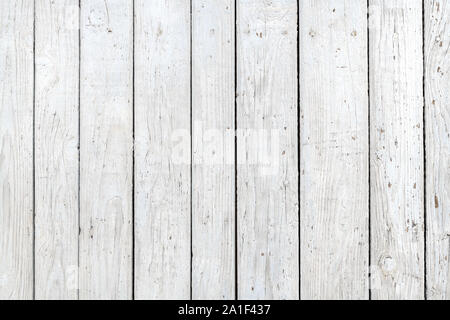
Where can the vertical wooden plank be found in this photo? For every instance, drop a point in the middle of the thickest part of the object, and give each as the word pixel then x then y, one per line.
pixel 16 149
pixel 163 153
pixel 56 149
pixel 213 186
pixel 267 186
pixel 334 149
pixel 437 108
pixel 396 131
pixel 106 135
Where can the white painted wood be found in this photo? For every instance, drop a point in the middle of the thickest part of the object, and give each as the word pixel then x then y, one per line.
pixel 437 121
pixel 213 177
pixel 334 150
pixel 163 153
pixel 56 149
pixel 69 252
pixel 397 175
pixel 16 149
pixel 267 182
pixel 106 149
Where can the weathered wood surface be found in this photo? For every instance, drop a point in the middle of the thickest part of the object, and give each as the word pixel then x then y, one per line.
pixel 16 149
pixel 213 180
pixel 437 124
pixel 267 150
pixel 334 150
pixel 56 149
pixel 221 149
pixel 163 149
pixel 396 150
pixel 106 143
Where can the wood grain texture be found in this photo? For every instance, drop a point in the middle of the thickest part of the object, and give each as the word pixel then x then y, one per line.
pixel 106 115
pixel 437 123
pixel 158 149
pixel 267 175
pixel 16 149
pixel 213 180
pixel 334 150
pixel 397 172
pixel 56 149
pixel 163 153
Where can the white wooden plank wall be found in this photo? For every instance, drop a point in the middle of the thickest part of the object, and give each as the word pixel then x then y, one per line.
pixel 163 149
pixel 437 119
pixel 334 150
pixel 213 180
pixel 56 149
pixel 106 144
pixel 396 149
pixel 16 149
pixel 224 149
pixel 267 152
